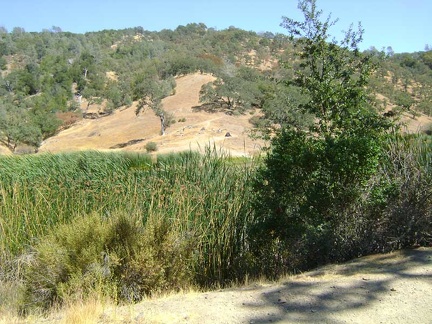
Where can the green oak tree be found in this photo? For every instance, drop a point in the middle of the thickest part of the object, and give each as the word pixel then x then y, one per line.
pixel 153 92
pixel 17 126
pixel 234 89
pixel 312 178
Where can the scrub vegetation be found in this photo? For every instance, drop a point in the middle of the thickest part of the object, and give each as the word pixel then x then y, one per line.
pixel 339 179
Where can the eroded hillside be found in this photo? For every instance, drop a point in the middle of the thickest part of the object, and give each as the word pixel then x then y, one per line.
pixel 43 74
pixel 194 127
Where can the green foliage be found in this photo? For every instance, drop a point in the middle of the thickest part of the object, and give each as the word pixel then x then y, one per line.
pixel 304 225
pixel 331 188
pixel 23 82
pixel 283 108
pixel 3 63
pixel 29 182
pixel 42 116
pixel 236 88
pixel 58 65
pixel 411 81
pixel 151 147
pixel 182 219
pixel 427 58
pixel 17 125
pixel 405 217
pixel 312 179
pixel 127 227
pixel 152 94
pixel 332 75
pixel 110 255
pixel 403 100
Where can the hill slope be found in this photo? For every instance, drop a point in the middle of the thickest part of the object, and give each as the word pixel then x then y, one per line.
pixel 125 131
pixel 199 128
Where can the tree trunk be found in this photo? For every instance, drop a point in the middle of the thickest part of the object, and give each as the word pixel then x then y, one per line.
pixel 162 119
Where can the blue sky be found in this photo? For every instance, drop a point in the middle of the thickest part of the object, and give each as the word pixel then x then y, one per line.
pixel 403 24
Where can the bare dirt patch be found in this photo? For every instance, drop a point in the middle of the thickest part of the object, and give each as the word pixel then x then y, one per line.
pixel 4 150
pixel 193 129
pixel 416 124
pixel 385 288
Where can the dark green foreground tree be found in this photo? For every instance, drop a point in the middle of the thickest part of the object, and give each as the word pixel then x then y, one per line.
pixel 312 179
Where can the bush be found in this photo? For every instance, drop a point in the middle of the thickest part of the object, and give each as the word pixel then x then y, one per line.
pixel 405 218
pixel 113 256
pixel 68 118
pixel 428 129
pixel 3 63
pixel 312 180
pixel 308 187
pixel 309 216
pixel 151 147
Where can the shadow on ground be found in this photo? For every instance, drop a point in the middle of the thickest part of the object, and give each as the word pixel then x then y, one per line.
pixel 363 286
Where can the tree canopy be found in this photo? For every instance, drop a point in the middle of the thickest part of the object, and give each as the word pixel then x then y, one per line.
pixel 251 71
pixel 312 178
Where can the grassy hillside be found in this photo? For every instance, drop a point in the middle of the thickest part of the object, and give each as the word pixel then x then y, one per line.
pixel 194 128
pixel 51 80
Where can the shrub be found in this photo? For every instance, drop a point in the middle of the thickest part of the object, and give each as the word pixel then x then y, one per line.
pixel 259 122
pixel 308 188
pixel 425 107
pixel 428 129
pixel 151 147
pixel 312 179
pixel 113 256
pixel 68 118
pixel 405 218
pixel 161 262
pixel 3 63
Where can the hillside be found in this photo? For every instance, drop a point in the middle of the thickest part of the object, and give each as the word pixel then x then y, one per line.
pixel 123 130
pixel 43 74
pixel 198 129
pixel 96 237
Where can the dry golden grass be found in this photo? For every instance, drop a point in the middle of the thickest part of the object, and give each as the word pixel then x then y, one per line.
pixel 380 288
pixel 88 312
pixel 198 129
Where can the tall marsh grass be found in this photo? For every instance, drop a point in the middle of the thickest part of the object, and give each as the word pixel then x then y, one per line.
pixel 406 218
pixel 124 225
pixel 38 192
pixel 164 224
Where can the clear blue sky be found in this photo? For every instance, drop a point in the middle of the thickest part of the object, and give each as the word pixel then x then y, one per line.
pixel 403 24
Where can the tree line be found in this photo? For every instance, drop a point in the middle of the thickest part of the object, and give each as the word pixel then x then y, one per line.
pixel 42 74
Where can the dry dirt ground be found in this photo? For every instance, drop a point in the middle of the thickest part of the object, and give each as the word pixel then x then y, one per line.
pixel 385 288
pixel 198 129
pixel 195 127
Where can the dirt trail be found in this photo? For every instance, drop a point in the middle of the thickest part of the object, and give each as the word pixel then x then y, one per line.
pixel 385 288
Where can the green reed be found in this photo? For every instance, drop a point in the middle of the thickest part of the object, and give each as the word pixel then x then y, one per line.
pixel 203 197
